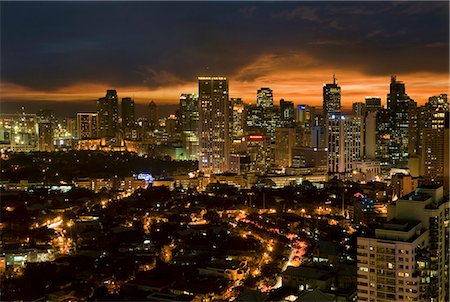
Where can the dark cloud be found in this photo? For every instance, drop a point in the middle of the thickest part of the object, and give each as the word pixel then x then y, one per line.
pixel 50 45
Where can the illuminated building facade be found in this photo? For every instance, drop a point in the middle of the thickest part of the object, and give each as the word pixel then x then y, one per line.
pixel 343 144
pixel 373 103
pixel 214 133
pixel 402 123
pixel 188 121
pixel 19 132
pixel 407 258
pixel 331 97
pixel 284 144
pixel 238 118
pixel 256 154
pixel 264 97
pixel 87 125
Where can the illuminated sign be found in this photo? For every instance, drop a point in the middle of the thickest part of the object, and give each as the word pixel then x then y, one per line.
pixel 145 176
pixel 256 137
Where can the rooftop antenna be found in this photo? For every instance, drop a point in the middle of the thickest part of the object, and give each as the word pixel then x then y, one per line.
pixel 334 78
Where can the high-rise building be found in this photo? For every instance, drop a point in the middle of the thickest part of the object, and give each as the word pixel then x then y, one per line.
pixel 370 135
pixel 305 116
pixel 188 120
pixel 284 144
pixel 264 97
pixel 446 155
pixel 343 144
pixel 214 133
pixel 238 118
pixel 433 139
pixel 359 108
pixel 399 106
pixel 331 98
pixel 373 103
pixel 188 112
pixel 256 154
pixel 108 114
pixel 46 136
pixel 153 115
pixel 287 113
pixel 128 113
pixel 383 124
pixel 87 125
pixel 407 258
pixel 264 116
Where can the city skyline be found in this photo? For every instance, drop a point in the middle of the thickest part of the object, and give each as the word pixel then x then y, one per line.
pixel 150 57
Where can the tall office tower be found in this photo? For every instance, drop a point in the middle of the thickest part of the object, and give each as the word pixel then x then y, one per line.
pixel 304 121
pixel 188 112
pixel 214 134
pixel 383 124
pixel 238 118
pixel 407 259
pixel 434 112
pixel 287 113
pixel 188 116
pixel 359 108
pixel 46 137
pixel 331 98
pixel 305 116
pixel 256 154
pixel 284 144
pixel 432 135
pixel 108 114
pixel 87 125
pixel 370 135
pixel 153 115
pixel 446 155
pixel 373 103
pixel 128 113
pixel 344 144
pixel 399 107
pixel 264 97
pixel 264 116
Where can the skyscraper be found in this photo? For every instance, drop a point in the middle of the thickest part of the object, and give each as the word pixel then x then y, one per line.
pixel 343 143
pixel 87 125
pixel 284 144
pixel 188 118
pixel 153 115
pixel 432 135
pixel 264 97
pixel 214 133
pixel 128 113
pixel 373 103
pixel 331 98
pixel 188 112
pixel 287 113
pixel 108 114
pixel 399 107
pixel 238 118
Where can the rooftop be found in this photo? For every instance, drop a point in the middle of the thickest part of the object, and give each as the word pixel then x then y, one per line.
pixel 399 225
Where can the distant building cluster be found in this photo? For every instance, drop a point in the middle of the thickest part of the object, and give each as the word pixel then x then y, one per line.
pixel 228 135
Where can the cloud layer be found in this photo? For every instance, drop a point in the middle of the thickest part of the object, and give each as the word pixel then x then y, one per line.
pixel 155 50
